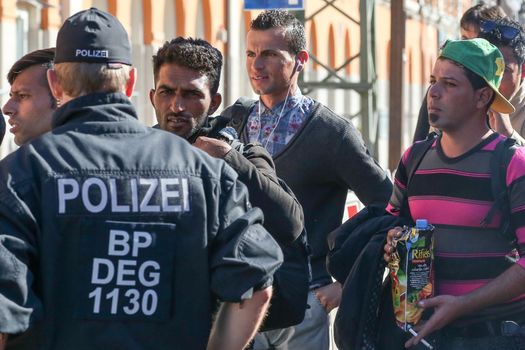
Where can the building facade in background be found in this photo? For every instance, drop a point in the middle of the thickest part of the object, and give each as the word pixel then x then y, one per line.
pixel 26 25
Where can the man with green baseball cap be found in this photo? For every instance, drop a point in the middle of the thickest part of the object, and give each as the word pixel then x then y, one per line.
pixel 483 59
pixel 479 292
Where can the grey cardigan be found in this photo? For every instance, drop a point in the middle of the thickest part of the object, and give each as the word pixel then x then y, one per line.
pixel 325 159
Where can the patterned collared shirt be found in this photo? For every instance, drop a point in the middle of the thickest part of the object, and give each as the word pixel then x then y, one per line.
pixel 274 128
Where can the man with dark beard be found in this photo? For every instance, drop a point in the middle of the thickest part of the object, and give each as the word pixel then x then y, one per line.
pixel 187 73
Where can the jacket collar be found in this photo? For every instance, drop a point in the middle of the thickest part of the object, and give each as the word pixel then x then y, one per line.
pixel 98 107
pixel 204 130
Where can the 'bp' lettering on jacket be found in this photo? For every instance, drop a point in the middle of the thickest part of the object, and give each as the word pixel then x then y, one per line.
pixel 125 273
pixel 125 270
pixel 94 195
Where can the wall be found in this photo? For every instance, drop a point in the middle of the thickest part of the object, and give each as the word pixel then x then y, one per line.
pixel 332 38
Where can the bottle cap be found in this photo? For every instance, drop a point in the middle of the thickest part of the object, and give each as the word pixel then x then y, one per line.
pixel 421 224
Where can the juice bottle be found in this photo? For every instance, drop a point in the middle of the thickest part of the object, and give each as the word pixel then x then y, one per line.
pixel 411 271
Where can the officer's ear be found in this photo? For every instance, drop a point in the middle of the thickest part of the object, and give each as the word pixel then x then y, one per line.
pixel 54 85
pixel 130 85
pixel 216 101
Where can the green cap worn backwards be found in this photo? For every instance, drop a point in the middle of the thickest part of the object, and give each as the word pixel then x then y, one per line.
pixel 484 59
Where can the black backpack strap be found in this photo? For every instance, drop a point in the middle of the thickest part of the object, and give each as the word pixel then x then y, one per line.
pixel 417 152
pixel 499 163
pixel 238 112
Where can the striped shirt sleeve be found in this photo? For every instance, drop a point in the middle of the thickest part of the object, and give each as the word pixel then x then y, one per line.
pixel 400 186
pixel 515 181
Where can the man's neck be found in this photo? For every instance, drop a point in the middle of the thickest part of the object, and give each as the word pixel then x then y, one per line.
pixel 270 101
pixel 457 142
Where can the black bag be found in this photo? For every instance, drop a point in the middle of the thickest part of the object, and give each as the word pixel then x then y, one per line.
pixel 237 113
pixel 356 257
pixel 290 286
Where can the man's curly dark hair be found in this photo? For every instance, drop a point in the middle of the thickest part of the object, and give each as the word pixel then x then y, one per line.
pixel 195 54
pixel 517 44
pixel 294 29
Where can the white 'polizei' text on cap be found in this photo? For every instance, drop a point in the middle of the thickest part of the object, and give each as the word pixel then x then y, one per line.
pixel 91 53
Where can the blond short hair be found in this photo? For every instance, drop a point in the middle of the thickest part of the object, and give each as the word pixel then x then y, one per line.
pixel 80 78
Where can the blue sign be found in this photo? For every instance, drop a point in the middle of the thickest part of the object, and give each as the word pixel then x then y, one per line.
pixel 273 4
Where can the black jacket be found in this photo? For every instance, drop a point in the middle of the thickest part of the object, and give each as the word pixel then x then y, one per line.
pixel 284 221
pixel 356 260
pixel 283 214
pixel 114 235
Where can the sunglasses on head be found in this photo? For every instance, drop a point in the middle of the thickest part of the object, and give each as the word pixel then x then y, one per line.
pixel 507 32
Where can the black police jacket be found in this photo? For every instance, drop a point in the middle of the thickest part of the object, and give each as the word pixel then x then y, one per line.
pixel 114 235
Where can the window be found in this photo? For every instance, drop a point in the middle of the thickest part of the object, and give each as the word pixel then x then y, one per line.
pixel 22 32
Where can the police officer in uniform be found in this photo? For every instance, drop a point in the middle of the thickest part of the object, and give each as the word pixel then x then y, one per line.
pixel 116 236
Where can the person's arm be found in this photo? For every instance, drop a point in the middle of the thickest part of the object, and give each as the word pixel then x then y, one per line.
pixel 3 341
pixel 243 260
pixel 20 306
pixel 283 213
pixel 448 308
pixel 358 170
pixel 501 124
pixel 330 295
pixel 236 323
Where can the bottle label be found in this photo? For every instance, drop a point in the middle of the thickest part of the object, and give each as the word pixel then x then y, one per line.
pixel 411 271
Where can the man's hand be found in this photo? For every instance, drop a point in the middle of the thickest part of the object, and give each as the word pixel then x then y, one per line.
pixel 500 123
pixel 505 287
pixel 329 296
pixel 447 308
pixel 389 247
pixel 215 148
